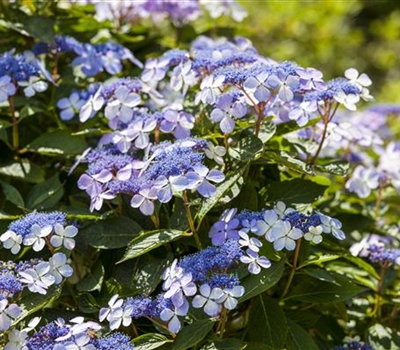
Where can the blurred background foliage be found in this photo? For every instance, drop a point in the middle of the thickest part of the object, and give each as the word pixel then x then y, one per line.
pixel 332 36
pixel 328 35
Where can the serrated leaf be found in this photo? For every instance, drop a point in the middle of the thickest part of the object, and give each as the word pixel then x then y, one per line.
pixel 192 334
pixel 267 323
pixel 46 194
pixel 59 142
pixel 312 290
pixel 230 181
pixel 295 191
pixel 23 170
pixel 148 241
pixel 267 278
pixel 111 233
pixel 93 280
pixel 12 194
pixel 150 341
pixel 298 338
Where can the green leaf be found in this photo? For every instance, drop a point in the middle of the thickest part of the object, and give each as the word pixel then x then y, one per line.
pixel 298 338
pixel 12 194
pixel 93 280
pixel 148 241
pixel 192 334
pixel 41 28
pixel 284 158
pixel 46 194
pixel 32 302
pixel 225 344
pixel 320 274
pixel 111 233
pixel 23 170
pixel 295 191
pixel 336 168
pixel 361 263
pixel 222 190
pixel 150 341
pixel 267 323
pixel 247 148
pixel 267 278
pixel 58 142
pixel 87 303
pixel 143 274
pixel 381 337
pixel 311 290
pixel 267 130
pixel 4 124
pixel 320 259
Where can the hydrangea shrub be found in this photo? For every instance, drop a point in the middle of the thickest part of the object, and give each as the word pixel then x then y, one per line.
pixel 198 196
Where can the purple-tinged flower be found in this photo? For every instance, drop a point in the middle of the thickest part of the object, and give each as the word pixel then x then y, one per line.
pixel 88 61
pixel 314 234
pixel 38 278
pixel 215 153
pixel 144 200
pixel 94 104
pixel 155 69
pixel 171 274
pixel 181 287
pixel 252 243
pixel 171 316
pixel 179 123
pixel 11 241
pixel 209 89
pixel 70 106
pixel 363 180
pixel 115 313
pixel 140 130
pixel 229 297
pixel 33 85
pixel 225 228
pixel 16 340
pixel 202 185
pixel 79 342
pixel 283 235
pixel 331 225
pixel 7 314
pixel 64 236
pixel 122 105
pixel 59 267
pixel 207 299
pixel 304 112
pixel 285 84
pixel 7 88
pixel 227 108
pixel 348 100
pixel 360 80
pixel 36 237
pixel 265 226
pixel 310 79
pixel 257 86
pixel 182 77
pixel 255 261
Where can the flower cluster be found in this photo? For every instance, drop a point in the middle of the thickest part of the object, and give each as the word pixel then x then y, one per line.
pixel 281 226
pixel 208 277
pixel 60 335
pixel 38 229
pixel 91 58
pixel 21 71
pixel 377 249
pixel 166 169
pixel 179 12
